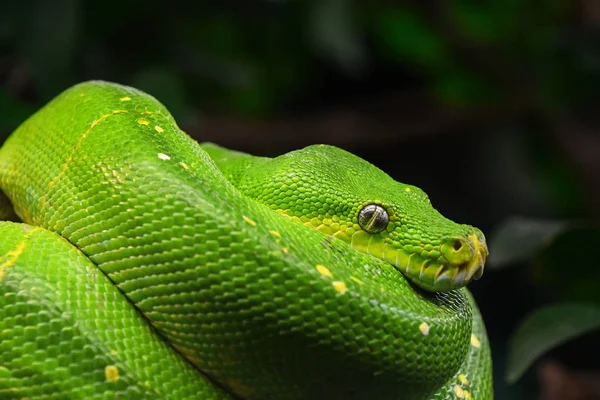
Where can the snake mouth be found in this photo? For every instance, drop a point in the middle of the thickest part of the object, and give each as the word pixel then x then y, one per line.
pixel 450 276
pixel 468 271
pixel 474 268
pixel 469 254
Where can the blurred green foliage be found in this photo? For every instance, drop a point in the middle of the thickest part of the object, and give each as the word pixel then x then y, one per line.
pixel 528 62
pixel 564 276
pixel 258 57
pixel 546 328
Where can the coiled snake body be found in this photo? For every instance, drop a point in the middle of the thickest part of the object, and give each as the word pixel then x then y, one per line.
pixel 143 257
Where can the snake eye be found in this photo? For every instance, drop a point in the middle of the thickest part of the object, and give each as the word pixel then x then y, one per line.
pixel 373 218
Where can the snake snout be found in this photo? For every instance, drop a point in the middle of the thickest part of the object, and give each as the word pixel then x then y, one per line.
pixel 468 255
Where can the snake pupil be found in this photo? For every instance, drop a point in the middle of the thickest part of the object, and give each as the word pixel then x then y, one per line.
pixel 373 218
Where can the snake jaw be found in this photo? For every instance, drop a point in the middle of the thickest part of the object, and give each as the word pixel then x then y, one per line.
pixel 461 265
pixel 458 267
pixel 482 253
pixel 474 268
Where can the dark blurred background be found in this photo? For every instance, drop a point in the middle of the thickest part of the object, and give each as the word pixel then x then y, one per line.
pixel 490 106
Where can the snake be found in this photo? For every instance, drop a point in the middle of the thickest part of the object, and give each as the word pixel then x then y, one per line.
pixel 136 263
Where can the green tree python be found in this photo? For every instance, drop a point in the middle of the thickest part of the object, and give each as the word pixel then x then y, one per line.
pixel 142 265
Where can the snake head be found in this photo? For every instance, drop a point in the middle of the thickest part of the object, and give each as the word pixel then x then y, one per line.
pixel 346 197
pixel 432 251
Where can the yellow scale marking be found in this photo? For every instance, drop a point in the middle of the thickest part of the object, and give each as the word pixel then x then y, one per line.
pixel 126 98
pixel 143 121
pixel 275 233
pixel 13 255
pixel 459 392
pixel 340 287
pixel 424 328
pixel 355 279
pixel 66 165
pixel 323 270
pixel 463 380
pixel 158 129
pixel 112 373
pixel 250 221
pixel 475 341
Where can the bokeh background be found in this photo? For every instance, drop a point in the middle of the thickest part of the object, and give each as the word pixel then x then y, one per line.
pixel 490 106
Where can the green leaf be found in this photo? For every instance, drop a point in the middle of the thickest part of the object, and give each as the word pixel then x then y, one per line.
pixel 334 33
pixel 491 21
pixel 411 39
pixel 463 88
pixel 577 248
pixel 545 329
pixel 519 239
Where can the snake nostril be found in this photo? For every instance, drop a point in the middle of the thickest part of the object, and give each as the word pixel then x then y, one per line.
pixel 456 249
pixel 457 244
